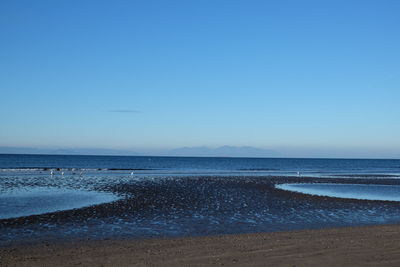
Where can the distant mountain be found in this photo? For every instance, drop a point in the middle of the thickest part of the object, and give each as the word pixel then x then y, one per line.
pixel 223 151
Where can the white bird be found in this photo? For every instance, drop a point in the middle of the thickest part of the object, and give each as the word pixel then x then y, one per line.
pixel 131 174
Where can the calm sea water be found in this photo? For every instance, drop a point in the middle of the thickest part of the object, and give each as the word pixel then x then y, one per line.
pixel 192 165
pixel 49 197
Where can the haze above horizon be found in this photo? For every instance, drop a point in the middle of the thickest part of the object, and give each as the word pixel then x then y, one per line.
pixel 306 78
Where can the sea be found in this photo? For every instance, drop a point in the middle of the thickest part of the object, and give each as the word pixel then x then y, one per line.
pixel 73 197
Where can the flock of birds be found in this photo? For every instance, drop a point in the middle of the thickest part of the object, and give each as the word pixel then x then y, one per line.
pixel 132 173
pixel 52 173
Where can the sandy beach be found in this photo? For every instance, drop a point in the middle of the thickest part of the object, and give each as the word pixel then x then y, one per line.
pixel 352 246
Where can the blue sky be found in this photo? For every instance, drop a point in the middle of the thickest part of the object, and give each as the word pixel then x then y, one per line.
pixel 285 75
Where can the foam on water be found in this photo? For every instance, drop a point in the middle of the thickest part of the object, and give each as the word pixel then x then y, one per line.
pixel 350 191
pixel 38 200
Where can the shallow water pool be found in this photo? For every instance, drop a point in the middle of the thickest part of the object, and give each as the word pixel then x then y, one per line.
pixel 39 200
pixel 350 191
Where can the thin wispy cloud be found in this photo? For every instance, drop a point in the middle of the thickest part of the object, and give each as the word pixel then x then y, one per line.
pixel 124 111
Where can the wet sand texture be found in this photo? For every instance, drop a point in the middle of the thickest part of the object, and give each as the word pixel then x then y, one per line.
pixel 355 246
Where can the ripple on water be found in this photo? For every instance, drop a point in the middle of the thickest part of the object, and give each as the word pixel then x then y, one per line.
pixel 187 206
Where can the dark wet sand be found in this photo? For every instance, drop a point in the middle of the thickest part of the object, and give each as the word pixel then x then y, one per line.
pixel 352 246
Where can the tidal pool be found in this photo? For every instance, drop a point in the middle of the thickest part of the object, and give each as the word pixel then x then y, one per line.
pixel 350 191
pixel 39 200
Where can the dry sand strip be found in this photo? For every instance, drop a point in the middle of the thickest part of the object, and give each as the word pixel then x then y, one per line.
pixel 353 246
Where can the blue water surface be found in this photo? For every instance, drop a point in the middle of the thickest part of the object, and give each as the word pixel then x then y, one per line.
pixel 201 165
pixel 49 197
pixel 351 191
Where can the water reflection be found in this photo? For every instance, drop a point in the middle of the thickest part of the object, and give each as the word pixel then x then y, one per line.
pixel 38 200
pixel 352 191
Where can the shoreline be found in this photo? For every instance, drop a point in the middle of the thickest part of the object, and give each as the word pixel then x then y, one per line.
pixel 355 246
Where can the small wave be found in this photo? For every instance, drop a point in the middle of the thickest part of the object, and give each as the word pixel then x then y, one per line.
pixel 74 169
pixel 130 169
pixel 257 169
pixel 365 175
pixel 26 169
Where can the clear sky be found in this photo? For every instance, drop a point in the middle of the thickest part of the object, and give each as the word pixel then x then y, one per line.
pixel 291 75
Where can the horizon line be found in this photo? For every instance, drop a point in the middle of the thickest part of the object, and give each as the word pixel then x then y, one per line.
pixel 167 156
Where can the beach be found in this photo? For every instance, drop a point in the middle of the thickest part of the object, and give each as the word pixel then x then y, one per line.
pixel 349 246
pixel 100 213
